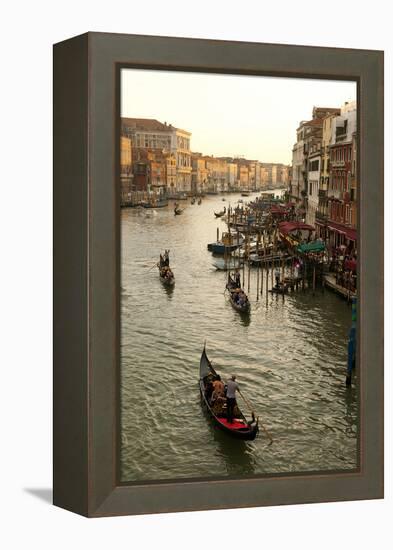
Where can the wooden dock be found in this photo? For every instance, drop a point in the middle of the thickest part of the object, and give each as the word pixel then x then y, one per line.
pixel 330 282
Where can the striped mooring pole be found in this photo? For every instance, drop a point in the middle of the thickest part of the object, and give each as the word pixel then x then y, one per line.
pixel 351 345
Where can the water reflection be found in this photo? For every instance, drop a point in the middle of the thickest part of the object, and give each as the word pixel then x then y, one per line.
pixel 289 354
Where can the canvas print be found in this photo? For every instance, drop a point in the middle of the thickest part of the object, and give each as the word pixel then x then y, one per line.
pixel 239 271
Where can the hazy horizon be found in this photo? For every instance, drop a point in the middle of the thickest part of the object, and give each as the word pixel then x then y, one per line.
pixel 229 115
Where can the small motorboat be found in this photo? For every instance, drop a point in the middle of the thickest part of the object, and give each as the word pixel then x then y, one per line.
pixel 220 214
pixel 228 243
pixel 227 264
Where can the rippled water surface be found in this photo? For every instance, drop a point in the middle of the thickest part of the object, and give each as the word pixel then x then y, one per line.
pixel 289 357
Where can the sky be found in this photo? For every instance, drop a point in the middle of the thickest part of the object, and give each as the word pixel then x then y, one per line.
pixel 230 115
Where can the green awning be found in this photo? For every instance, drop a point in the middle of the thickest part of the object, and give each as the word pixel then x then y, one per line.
pixel 314 246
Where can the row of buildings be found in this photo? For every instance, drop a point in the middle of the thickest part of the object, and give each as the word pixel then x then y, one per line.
pixel 323 180
pixel 156 158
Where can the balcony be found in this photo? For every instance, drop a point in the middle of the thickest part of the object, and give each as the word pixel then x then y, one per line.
pixel 337 163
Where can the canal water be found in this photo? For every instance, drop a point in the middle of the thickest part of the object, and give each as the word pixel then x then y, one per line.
pixel 289 356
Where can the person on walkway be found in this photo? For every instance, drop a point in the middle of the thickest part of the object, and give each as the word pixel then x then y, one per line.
pixel 277 276
pixel 232 387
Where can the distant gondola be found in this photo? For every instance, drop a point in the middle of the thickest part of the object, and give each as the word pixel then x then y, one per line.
pixel 199 201
pixel 233 290
pixel 178 211
pixel 240 427
pixel 166 275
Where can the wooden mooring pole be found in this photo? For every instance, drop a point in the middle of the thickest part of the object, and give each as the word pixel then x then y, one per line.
pixel 313 279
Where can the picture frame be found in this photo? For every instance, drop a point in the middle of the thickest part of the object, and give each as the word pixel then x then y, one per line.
pixel 87 272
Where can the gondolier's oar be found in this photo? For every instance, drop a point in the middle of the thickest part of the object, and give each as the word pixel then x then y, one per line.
pixel 253 414
pixel 155 265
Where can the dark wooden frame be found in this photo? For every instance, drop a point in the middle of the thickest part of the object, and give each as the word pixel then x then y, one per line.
pixel 86 272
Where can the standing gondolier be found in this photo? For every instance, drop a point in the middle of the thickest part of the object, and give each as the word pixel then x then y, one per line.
pixel 232 387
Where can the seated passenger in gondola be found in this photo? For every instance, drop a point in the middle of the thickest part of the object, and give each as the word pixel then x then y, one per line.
pixel 208 390
pixel 218 386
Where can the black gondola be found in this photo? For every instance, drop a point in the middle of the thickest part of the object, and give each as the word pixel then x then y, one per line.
pixel 168 280
pixel 178 211
pixel 233 290
pixel 240 427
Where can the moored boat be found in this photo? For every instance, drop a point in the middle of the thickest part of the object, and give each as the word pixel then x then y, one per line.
pixel 227 264
pixel 240 428
pixel 156 203
pixel 220 214
pixel 228 243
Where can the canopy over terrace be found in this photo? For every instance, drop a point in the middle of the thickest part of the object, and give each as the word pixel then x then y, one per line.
pixel 313 247
pixel 278 210
pixel 290 227
pixel 340 232
pixel 295 233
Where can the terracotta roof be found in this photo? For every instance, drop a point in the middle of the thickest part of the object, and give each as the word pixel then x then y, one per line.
pixel 313 122
pixel 150 124
pixel 180 130
pixel 328 109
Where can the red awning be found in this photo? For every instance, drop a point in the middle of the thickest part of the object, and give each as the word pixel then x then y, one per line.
pixel 278 209
pixel 350 265
pixel 350 233
pixel 287 227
